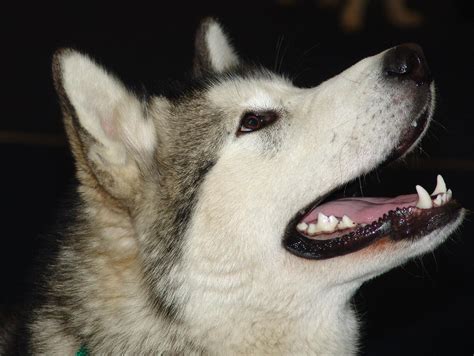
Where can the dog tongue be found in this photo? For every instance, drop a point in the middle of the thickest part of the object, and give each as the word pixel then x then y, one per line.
pixel 361 210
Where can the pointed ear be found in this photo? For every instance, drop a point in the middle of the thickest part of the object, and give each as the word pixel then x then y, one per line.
pixel 214 52
pixel 106 126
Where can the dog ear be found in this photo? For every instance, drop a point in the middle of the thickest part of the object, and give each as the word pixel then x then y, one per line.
pixel 214 52
pixel 108 131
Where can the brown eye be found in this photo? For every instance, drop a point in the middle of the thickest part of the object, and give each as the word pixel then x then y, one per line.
pixel 252 121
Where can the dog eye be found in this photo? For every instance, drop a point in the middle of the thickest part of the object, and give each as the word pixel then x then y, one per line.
pixel 252 121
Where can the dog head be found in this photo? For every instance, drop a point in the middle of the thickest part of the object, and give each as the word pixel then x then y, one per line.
pixel 230 185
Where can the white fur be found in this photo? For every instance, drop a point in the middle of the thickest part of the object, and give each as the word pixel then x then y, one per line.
pixel 274 302
pixel 221 53
pixel 260 100
pixel 112 115
pixel 240 290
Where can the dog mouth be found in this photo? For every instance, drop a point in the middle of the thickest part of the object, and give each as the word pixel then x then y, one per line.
pixel 338 225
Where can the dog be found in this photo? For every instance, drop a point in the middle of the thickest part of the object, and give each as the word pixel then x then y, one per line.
pixel 213 219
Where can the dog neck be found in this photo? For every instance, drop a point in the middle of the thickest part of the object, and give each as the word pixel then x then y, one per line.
pixel 325 325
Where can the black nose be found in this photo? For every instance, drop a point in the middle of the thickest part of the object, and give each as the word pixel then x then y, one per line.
pixel 407 62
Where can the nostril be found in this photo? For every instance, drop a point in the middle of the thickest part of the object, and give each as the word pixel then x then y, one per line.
pixel 397 71
pixel 407 62
pixel 402 64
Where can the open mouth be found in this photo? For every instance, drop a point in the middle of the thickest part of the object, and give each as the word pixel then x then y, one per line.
pixel 338 226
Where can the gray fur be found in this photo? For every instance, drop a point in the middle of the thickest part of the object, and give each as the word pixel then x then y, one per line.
pixel 167 253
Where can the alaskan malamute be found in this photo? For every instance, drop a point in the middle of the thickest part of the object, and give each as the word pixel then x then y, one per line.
pixel 211 221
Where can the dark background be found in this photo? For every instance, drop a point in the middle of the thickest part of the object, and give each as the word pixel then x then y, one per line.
pixel 422 308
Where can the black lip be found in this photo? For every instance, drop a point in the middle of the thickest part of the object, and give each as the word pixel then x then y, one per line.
pixel 400 224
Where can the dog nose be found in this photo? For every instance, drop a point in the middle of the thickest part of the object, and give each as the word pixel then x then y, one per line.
pixel 407 62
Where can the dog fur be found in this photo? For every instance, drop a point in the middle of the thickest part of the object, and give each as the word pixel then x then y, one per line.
pixel 176 246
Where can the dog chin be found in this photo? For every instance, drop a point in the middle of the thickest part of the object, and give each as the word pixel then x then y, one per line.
pixel 385 254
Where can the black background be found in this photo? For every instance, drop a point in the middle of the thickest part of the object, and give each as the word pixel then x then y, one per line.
pixel 422 308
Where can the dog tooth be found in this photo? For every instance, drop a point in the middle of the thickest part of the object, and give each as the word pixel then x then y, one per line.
pixel 440 185
pixel 444 198
pixel 348 221
pixel 449 195
pixel 438 201
pixel 312 229
pixel 302 226
pixel 345 223
pixel 323 224
pixel 322 218
pixel 424 199
pixel 333 221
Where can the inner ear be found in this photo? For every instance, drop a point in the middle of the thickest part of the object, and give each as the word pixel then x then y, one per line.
pixel 214 52
pixel 110 135
pixel 102 106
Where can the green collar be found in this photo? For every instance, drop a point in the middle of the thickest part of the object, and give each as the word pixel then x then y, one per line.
pixel 82 351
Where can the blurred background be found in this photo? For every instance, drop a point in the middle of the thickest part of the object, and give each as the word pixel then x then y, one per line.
pixel 422 308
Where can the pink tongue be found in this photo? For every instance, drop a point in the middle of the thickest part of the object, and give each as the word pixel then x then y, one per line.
pixel 362 210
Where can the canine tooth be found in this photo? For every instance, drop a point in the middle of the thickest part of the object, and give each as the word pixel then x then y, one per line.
pixel 438 201
pixel 440 185
pixel 424 199
pixel 449 195
pixel 302 226
pixel 345 223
